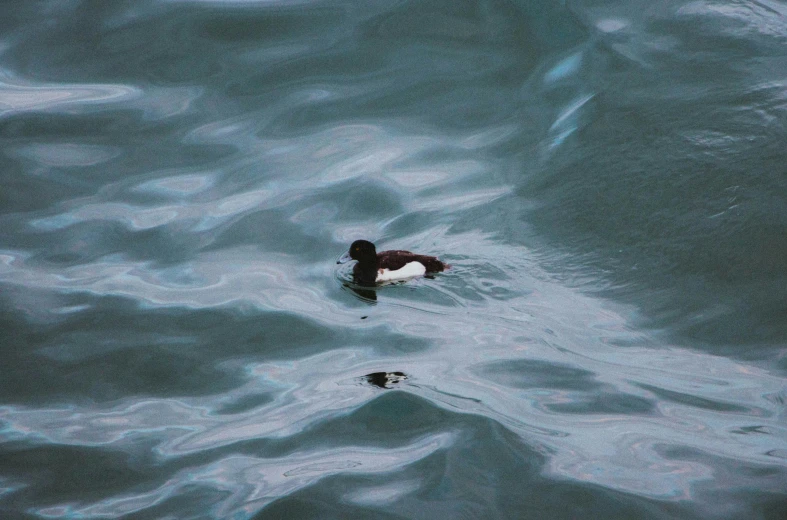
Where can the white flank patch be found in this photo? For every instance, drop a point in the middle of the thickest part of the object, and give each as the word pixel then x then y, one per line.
pixel 408 271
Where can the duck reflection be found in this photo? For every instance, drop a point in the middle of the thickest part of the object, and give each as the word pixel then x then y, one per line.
pixel 364 293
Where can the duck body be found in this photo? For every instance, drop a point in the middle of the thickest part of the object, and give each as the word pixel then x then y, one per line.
pixel 388 266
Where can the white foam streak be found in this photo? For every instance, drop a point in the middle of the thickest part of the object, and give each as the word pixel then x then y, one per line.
pixel 20 95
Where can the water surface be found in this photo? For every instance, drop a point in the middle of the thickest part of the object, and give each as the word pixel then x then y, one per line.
pixel 607 180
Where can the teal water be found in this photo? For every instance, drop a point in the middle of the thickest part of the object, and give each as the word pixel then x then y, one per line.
pixel 607 179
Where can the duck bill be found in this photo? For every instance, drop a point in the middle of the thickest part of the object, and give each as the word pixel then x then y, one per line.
pixel 344 258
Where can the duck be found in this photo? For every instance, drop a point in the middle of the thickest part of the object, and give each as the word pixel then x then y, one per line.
pixel 388 266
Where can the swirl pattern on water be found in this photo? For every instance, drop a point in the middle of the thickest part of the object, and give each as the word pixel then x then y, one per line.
pixel 179 178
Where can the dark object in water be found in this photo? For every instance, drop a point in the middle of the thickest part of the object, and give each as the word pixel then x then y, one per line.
pixel 383 379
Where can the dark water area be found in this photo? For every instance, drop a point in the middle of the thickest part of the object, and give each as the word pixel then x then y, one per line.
pixel 607 179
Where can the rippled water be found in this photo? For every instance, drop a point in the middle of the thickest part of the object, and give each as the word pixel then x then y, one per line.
pixel 606 178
